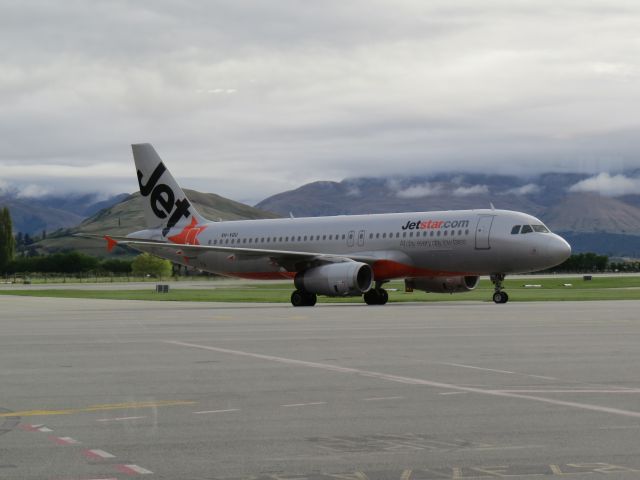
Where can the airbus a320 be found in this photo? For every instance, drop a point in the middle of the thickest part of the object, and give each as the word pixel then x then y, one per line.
pixel 341 256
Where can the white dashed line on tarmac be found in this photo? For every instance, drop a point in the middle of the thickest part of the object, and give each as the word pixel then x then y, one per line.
pixel 118 419
pixel 303 404
pixel 508 372
pixel 375 399
pixel 204 412
pixel 411 380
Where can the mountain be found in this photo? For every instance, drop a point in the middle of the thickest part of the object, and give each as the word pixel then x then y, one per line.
pixel 49 213
pixel 127 216
pixel 582 216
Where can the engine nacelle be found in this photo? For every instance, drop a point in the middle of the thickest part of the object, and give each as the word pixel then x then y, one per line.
pixel 336 279
pixel 442 284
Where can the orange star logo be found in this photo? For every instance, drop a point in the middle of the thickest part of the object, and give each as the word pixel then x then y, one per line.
pixel 189 235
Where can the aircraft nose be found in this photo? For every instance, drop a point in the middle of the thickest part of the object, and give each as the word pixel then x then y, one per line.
pixel 558 250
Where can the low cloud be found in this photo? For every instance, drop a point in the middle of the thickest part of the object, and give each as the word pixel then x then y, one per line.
pixel 33 191
pixel 608 185
pixel 417 191
pixel 473 190
pixel 527 189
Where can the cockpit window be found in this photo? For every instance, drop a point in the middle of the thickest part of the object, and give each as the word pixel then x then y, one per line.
pixel 515 230
pixel 540 228
pixel 526 229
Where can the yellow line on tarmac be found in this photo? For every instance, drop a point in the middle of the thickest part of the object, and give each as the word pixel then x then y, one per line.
pixel 99 408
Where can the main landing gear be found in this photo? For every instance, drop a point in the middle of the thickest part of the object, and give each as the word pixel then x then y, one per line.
pixel 498 295
pixel 376 296
pixel 300 298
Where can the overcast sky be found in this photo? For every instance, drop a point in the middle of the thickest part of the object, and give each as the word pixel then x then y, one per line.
pixel 250 98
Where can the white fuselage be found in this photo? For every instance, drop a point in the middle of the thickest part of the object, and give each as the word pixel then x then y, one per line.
pixel 417 244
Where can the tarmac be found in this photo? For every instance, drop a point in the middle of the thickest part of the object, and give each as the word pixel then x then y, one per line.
pixel 98 389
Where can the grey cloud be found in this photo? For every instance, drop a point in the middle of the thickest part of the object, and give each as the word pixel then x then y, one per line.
pixel 608 185
pixel 250 98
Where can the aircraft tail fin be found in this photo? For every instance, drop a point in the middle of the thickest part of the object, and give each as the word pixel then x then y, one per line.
pixel 165 204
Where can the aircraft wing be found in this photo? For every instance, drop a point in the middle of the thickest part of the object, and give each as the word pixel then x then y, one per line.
pixel 290 260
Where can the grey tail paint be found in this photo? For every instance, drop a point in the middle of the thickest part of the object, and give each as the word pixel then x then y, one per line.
pixel 166 207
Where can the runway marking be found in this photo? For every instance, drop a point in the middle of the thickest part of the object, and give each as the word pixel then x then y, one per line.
pixel 204 412
pixel 130 469
pixel 303 404
pixel 118 419
pixel 64 440
pixel 571 391
pixel 375 399
pixel 453 393
pixel 412 381
pixel 97 454
pixel 99 408
pixel 508 372
pixel 35 428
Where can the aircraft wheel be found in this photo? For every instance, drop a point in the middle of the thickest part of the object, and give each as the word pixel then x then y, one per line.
pixel 310 299
pixel 500 297
pixel 377 296
pixel 384 296
pixel 297 299
pixel 371 297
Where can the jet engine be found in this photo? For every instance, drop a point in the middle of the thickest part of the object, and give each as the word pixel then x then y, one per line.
pixel 442 284
pixel 336 279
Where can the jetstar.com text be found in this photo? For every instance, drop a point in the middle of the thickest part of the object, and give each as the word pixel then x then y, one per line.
pixel 435 224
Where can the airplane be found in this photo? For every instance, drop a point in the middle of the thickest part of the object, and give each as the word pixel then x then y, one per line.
pixel 341 256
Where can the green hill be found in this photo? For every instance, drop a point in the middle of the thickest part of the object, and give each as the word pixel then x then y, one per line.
pixel 127 216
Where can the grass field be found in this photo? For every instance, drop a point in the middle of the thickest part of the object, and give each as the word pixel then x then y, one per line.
pixel 556 289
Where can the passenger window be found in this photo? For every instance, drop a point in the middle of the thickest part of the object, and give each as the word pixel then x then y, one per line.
pixel 305 238
pixel 515 230
pixel 459 232
pixel 431 234
pixel 445 233
pixel 377 235
pixel 330 237
pixel 324 237
pixel 384 235
pixel 438 233
pixel 466 232
pixel 215 242
pixel 371 236
pixel 526 229
pixel 397 234
pixel 410 234
pixel 244 240
pixel 453 232
pixel 343 236
pixel 299 238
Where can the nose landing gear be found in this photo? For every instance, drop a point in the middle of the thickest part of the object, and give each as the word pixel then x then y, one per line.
pixel 498 295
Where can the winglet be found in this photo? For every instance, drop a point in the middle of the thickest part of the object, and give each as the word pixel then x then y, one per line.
pixel 111 243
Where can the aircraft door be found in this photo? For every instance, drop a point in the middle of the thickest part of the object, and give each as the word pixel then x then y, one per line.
pixel 351 238
pixel 361 234
pixel 483 229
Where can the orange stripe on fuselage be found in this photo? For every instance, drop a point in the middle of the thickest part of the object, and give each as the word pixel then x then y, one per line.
pixel 264 275
pixel 388 269
pixel 382 270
